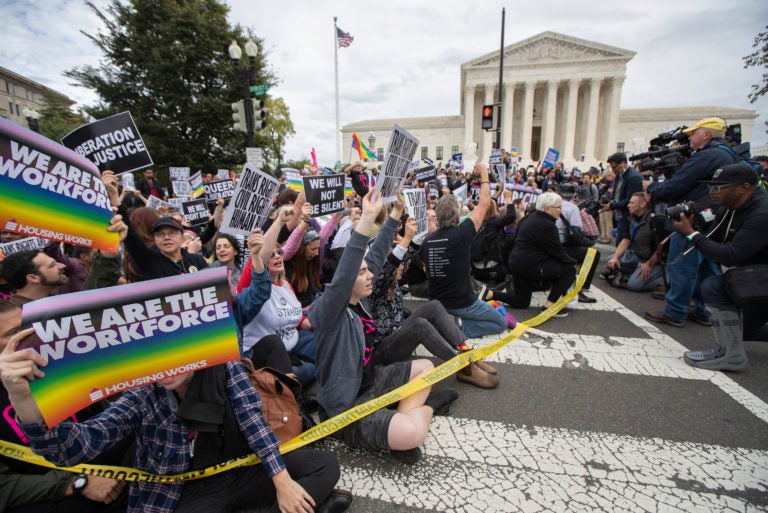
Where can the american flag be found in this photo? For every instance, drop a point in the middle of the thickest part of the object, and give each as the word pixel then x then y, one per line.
pixel 343 38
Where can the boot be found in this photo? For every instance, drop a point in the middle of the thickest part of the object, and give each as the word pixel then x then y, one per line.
pixel 474 375
pixel 490 369
pixel 726 324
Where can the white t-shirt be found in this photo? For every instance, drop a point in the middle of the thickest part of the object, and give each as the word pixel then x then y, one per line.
pixel 280 316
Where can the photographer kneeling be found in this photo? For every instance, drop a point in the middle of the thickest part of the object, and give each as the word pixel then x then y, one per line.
pixel 737 239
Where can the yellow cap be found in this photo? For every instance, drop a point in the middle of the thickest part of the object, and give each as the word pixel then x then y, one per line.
pixel 713 123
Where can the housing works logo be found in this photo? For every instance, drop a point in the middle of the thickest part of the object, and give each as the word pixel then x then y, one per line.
pixel 11 225
pixel 96 395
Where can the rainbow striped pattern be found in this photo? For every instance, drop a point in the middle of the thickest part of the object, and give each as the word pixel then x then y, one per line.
pixel 293 178
pixel 196 183
pixel 35 211
pixel 88 377
pixel 362 150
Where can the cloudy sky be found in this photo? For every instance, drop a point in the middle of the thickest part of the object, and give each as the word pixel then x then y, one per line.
pixel 406 55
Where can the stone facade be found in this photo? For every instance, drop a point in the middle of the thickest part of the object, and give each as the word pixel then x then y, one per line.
pixel 18 94
pixel 558 92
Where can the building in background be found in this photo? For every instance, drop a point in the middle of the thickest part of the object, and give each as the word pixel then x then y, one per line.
pixel 559 92
pixel 22 99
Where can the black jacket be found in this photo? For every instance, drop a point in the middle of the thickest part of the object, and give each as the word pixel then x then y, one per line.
pixel 536 243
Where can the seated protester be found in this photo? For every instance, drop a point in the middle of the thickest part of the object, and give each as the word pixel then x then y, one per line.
pixel 343 331
pixel 446 254
pixel 76 268
pixel 635 265
pixel 489 250
pixel 538 258
pixel 172 439
pixel 429 325
pixel 359 178
pixel 570 214
pixel 227 254
pixel 32 275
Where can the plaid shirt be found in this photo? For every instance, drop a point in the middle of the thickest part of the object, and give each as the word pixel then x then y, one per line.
pixel 162 445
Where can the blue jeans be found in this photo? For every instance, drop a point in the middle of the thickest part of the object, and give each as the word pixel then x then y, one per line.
pixel 685 274
pixel 479 319
pixel 305 348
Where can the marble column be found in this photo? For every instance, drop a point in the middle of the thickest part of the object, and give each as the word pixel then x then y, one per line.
pixel 469 114
pixel 591 131
pixel 548 132
pixel 525 145
pixel 488 136
pixel 612 128
pixel 508 116
pixel 570 119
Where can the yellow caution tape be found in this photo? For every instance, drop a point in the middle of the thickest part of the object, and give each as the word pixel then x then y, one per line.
pixel 342 420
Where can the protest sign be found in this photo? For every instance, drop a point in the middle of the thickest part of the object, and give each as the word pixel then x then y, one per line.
pixel 105 341
pixel 293 178
pixel 551 158
pixel 251 202
pixel 497 156
pixel 219 189
pixel 222 174
pixel 501 170
pixel 434 189
pixel 196 183
pixel 456 157
pixel 324 193
pixel 416 201
pixel 460 193
pixel 51 192
pixel 157 203
pixel 112 143
pixel 400 151
pixel 9 248
pixel 426 174
pixel 529 194
pixel 254 157
pixel 182 189
pixel 129 183
pixel 195 211
pixel 179 173
pixel 349 190
pixel 176 203
pixel 443 180
pixel 474 194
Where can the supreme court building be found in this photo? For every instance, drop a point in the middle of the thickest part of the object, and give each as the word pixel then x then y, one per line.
pixel 558 92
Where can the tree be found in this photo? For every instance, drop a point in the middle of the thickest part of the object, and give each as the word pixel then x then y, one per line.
pixel 57 120
pixel 167 63
pixel 759 59
pixel 279 127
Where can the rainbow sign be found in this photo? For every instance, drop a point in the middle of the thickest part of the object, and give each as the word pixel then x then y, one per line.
pixel 102 342
pixel 51 192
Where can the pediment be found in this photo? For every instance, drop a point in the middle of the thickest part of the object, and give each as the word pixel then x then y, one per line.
pixel 551 48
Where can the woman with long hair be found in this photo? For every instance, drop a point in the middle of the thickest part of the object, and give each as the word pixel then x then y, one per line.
pixel 142 220
pixel 227 254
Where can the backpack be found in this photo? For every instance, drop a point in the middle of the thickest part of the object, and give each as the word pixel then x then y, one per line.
pixel 278 393
pixel 574 236
pixel 741 155
pixel 488 244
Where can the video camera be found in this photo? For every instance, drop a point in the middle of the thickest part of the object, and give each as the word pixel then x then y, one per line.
pixel 666 154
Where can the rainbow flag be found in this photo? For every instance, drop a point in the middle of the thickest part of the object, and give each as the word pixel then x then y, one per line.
pixel 196 183
pixel 293 178
pixel 348 189
pixel 365 153
pixel 104 341
pixel 49 191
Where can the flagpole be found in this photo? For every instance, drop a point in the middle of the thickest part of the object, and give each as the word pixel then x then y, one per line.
pixel 336 74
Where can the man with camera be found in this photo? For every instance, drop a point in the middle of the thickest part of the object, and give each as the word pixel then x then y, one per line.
pixel 737 240
pixel 686 267
pixel 628 181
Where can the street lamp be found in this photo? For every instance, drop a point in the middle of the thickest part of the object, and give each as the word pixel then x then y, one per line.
pixel 246 77
pixel 32 117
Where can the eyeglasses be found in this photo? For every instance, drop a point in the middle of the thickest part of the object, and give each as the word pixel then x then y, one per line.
pixel 277 252
pixel 558 206
pixel 718 188
pixel 166 233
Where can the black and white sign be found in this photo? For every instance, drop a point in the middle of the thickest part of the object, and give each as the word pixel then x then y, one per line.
pixel 181 188
pixel 9 248
pixel 416 201
pixel 325 193
pixel 251 202
pixel 219 189
pixel 178 173
pixel 222 174
pixel 461 193
pixel 195 212
pixel 128 182
pixel 426 173
pixel 157 203
pixel 400 151
pixel 112 143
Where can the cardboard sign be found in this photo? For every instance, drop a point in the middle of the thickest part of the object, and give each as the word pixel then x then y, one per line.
pixel 254 157
pixel 461 193
pixel 29 243
pixel 400 151
pixel 129 184
pixel 157 203
pixel 51 192
pixel 219 189
pixel 551 158
pixel 182 189
pixel 324 193
pixel 222 174
pixel 176 204
pixel 497 156
pixel 104 341
pixel 179 173
pixel 111 143
pixel 426 174
pixel 195 212
pixel 251 202
pixel 416 201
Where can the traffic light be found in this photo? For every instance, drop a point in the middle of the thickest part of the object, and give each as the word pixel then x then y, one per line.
pixel 238 116
pixel 487 123
pixel 259 115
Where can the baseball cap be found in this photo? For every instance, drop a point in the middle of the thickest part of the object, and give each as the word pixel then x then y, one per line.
pixel 164 221
pixel 566 190
pixel 733 174
pixel 713 123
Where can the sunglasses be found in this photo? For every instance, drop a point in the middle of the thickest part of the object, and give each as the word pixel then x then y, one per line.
pixel 718 188
pixel 277 252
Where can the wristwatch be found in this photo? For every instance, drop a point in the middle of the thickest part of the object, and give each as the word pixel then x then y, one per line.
pixel 79 483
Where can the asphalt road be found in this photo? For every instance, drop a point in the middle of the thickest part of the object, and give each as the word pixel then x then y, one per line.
pixel 605 416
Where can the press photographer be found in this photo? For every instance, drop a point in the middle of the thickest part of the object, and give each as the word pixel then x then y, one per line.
pixel 710 152
pixel 737 299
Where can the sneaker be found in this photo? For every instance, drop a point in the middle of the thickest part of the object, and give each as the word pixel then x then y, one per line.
pixel 441 400
pixel 474 375
pixel 701 321
pixel 659 316
pixel 409 456
pixel 561 314
pixel 583 298
pixel 336 502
